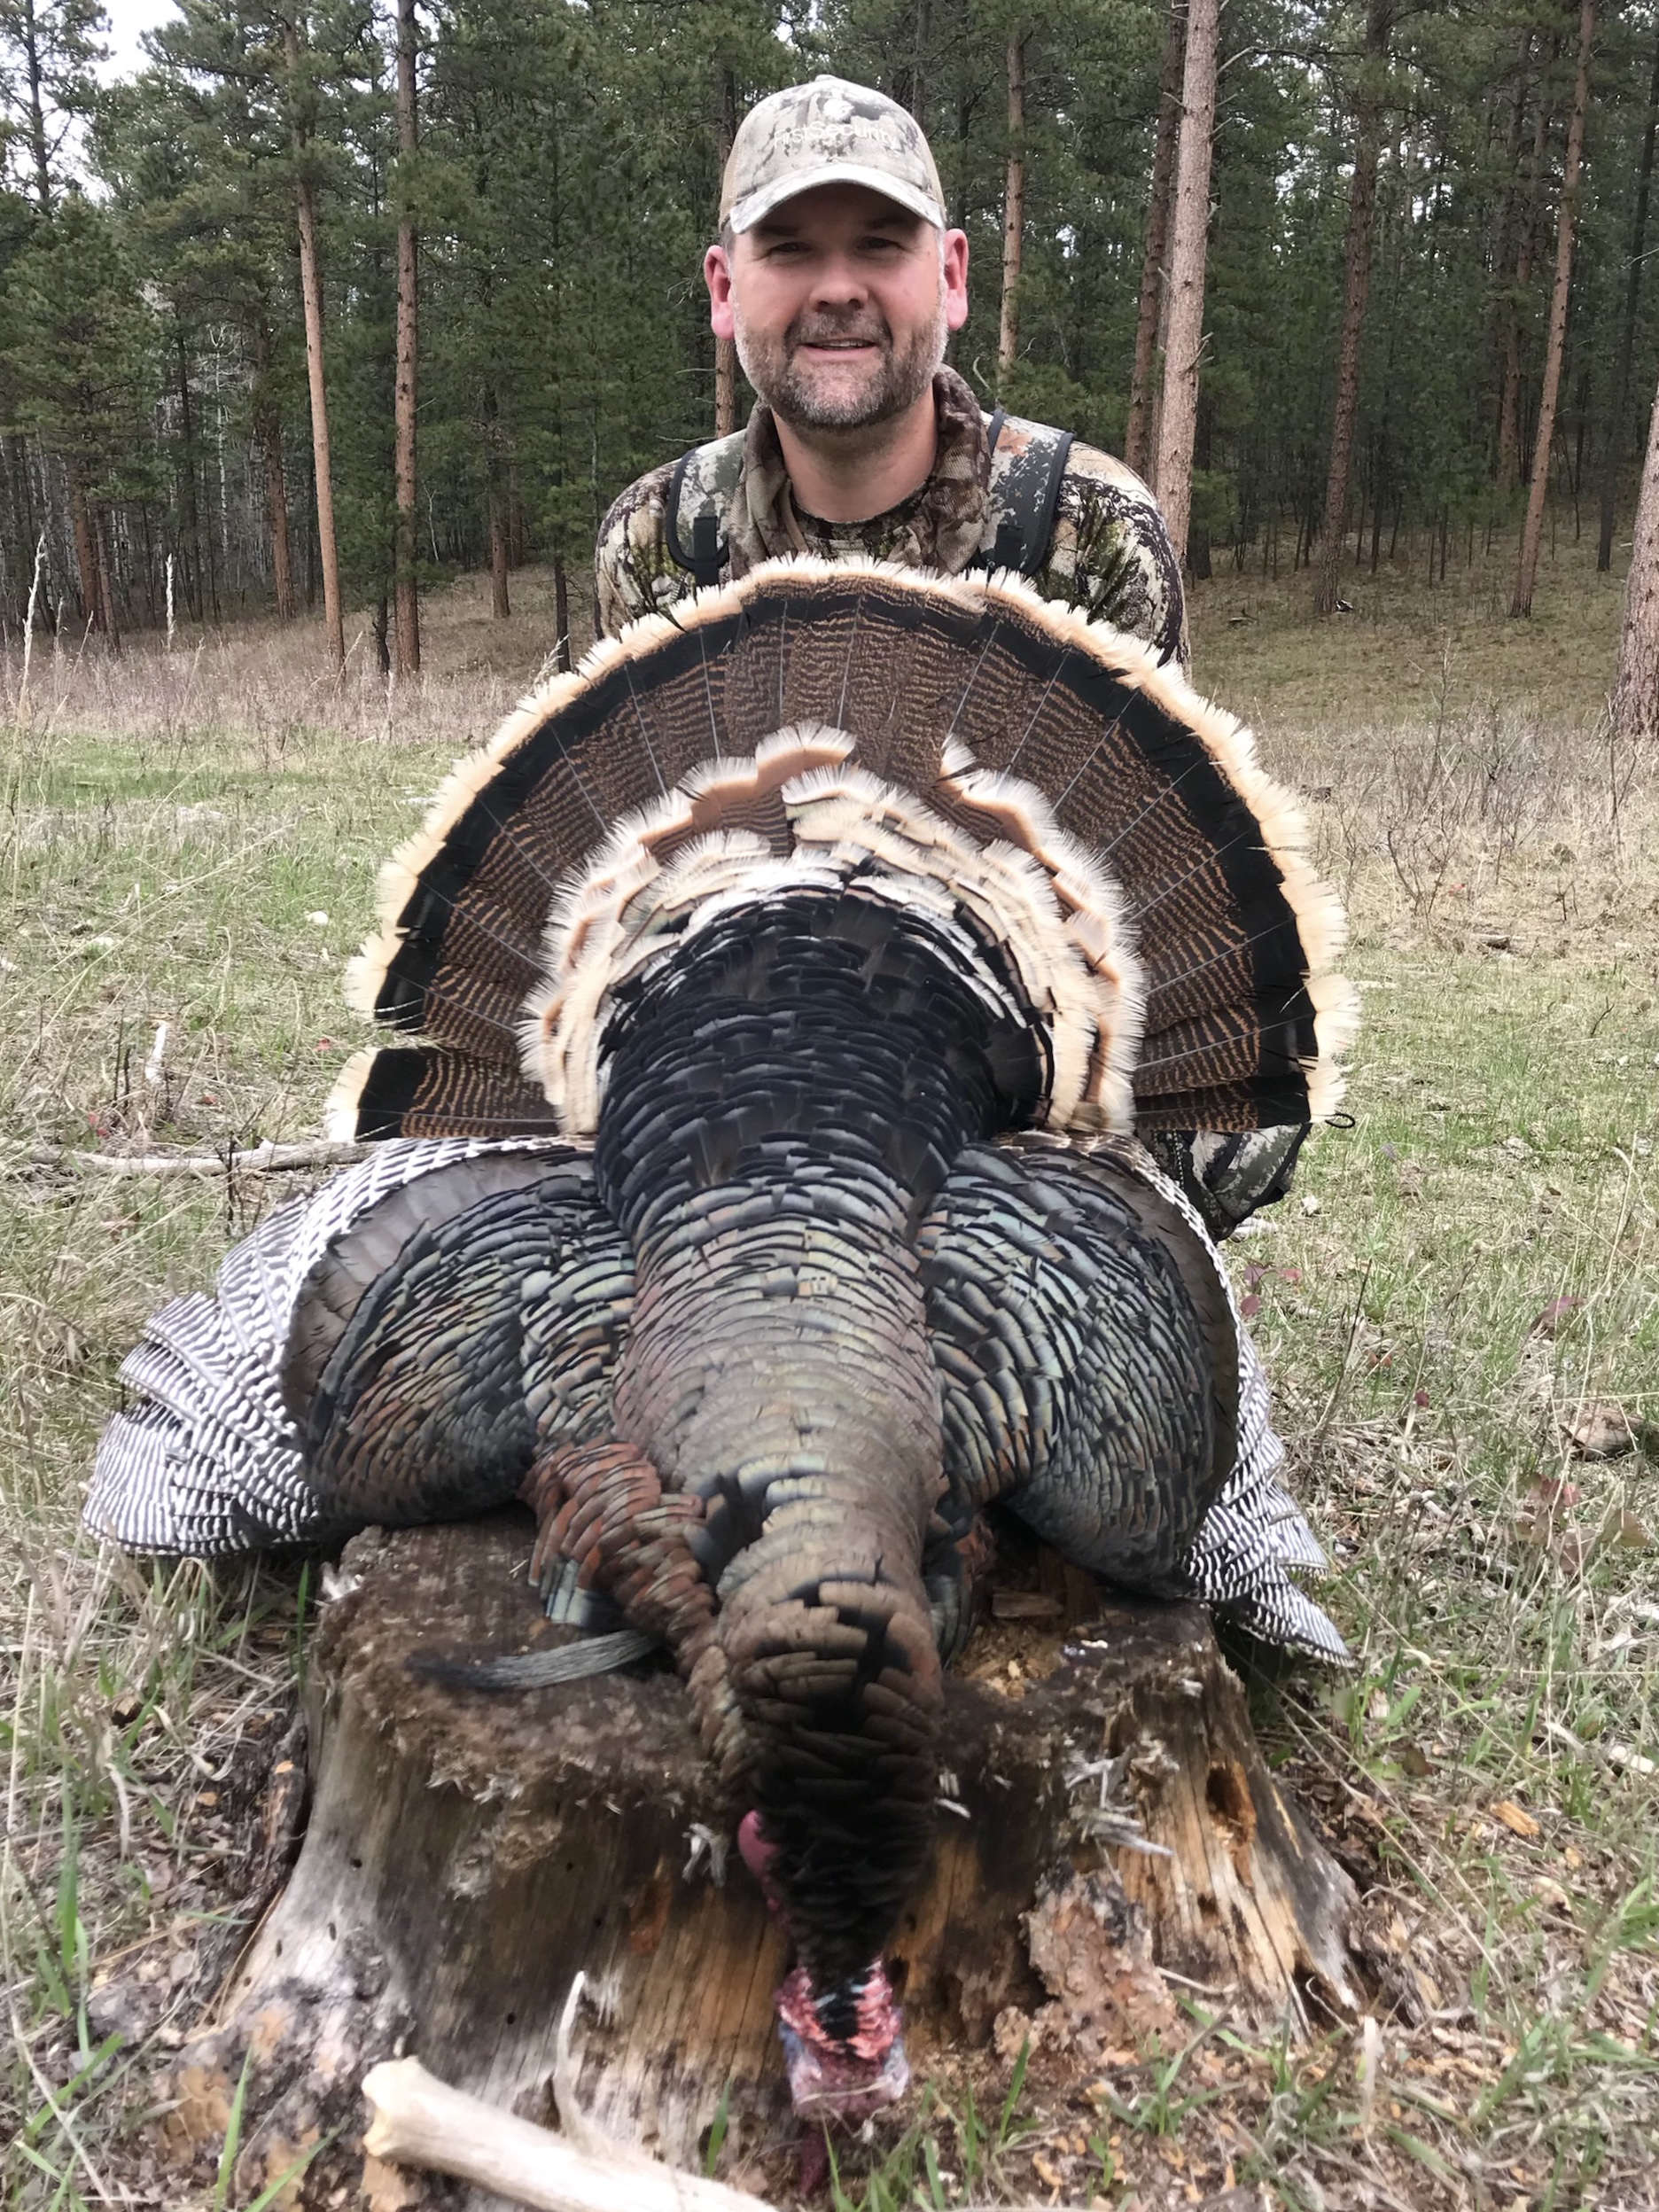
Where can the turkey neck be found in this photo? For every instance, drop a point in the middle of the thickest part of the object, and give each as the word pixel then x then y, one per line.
pixel 784 1099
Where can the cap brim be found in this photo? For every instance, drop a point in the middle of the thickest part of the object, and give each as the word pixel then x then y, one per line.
pixel 749 210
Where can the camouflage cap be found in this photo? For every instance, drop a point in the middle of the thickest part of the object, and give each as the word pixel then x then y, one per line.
pixel 828 132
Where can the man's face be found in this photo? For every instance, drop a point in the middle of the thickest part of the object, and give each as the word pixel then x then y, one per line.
pixel 840 303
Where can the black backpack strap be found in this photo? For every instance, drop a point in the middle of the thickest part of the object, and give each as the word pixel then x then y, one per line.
pixel 709 549
pixel 1024 496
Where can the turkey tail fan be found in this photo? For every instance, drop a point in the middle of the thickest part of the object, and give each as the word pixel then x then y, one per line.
pixel 1097 834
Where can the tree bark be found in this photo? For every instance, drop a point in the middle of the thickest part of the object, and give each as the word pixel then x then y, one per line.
pixel 1509 408
pixel 276 512
pixel 1532 529
pixel 1138 443
pixel 467 1854
pixel 1636 691
pixel 190 510
pixel 86 550
pixel 1184 342
pixel 311 287
pixel 408 596
pixel 917 102
pixel 1613 452
pixel 561 615
pixel 267 422
pixel 104 554
pixel 726 348
pixel 1356 292
pixel 501 605
pixel 1013 212
pixel 29 35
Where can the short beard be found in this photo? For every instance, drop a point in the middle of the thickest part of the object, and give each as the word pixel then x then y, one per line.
pixel 899 383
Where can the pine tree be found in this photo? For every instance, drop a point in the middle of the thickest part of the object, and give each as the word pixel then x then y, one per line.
pixel 298 90
pixel 1188 233
pixel 1635 707
pixel 1013 211
pixel 407 346
pixel 1543 444
pixel 1356 292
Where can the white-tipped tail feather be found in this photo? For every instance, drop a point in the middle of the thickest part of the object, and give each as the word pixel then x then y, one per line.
pixel 668 872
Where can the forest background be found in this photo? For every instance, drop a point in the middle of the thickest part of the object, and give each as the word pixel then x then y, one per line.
pixel 538 192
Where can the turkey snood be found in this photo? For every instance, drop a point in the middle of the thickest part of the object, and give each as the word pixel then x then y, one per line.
pixel 783 1103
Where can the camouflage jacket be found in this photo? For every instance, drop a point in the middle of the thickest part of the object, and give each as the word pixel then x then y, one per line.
pixel 1107 555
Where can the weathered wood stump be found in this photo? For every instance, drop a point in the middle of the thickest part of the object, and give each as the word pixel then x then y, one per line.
pixel 1113 1837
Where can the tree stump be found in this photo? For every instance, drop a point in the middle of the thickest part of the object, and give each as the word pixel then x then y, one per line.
pixel 1111 1839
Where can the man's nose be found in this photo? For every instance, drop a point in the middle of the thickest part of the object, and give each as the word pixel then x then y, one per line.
pixel 839 282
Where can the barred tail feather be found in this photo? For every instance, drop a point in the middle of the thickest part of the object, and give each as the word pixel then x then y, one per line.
pixel 1254 1538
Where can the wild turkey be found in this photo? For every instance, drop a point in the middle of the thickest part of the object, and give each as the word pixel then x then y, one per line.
pixel 764 1200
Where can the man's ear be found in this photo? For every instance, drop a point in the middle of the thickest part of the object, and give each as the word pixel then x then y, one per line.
pixel 717 275
pixel 953 256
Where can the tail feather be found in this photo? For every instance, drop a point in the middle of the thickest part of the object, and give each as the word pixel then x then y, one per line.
pixel 1255 1539
pixel 1165 856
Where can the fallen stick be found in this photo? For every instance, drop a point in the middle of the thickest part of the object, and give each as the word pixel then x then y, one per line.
pixel 267 1158
pixel 420 2120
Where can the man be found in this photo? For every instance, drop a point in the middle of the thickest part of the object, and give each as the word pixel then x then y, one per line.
pixel 839 279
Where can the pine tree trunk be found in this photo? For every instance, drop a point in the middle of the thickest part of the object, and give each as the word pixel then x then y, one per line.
pixel 268 424
pixel 276 513
pixel 919 70
pixel 726 348
pixel 86 550
pixel 1184 342
pixel 1138 446
pixel 408 663
pixel 190 510
pixel 1013 212
pixel 1636 689
pixel 28 38
pixel 1613 451
pixel 1119 1840
pixel 500 606
pixel 725 386
pixel 1356 292
pixel 1532 530
pixel 1509 408
pixel 104 555
pixel 561 614
pixel 311 287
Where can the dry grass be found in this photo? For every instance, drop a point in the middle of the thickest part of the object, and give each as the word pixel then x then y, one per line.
pixel 1258 647
pixel 192 839
pixel 270 685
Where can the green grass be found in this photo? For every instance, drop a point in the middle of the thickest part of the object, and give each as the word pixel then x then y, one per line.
pixel 1256 646
pixel 1484 1257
